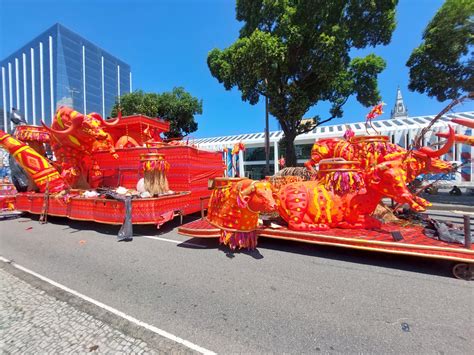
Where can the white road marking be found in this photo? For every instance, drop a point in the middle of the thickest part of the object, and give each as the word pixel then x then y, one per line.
pixel 113 310
pixel 173 241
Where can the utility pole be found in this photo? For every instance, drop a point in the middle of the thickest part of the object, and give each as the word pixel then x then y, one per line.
pixel 267 140
pixel 267 137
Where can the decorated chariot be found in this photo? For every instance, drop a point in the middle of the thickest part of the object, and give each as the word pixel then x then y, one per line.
pixel 99 164
pixel 339 205
pixel 121 172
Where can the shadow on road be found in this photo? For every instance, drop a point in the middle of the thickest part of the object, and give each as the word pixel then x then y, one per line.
pixel 389 261
pixel 75 226
pixel 384 260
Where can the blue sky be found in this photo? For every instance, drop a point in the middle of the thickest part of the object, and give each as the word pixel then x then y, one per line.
pixel 166 43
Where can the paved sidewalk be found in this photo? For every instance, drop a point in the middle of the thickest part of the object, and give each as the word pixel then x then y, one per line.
pixel 31 321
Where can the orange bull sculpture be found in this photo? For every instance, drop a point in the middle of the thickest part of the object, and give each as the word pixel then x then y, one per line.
pixel 344 196
pixel 234 207
pixel 373 150
pixel 354 175
pixel 73 137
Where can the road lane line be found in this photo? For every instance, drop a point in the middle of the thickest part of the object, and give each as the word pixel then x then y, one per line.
pixel 147 326
pixel 173 241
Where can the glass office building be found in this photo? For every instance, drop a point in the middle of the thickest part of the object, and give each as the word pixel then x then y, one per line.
pixel 59 67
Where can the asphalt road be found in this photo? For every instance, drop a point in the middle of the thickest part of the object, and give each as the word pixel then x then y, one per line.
pixel 284 297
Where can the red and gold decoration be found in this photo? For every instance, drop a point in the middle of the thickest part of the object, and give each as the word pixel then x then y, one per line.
pixel 43 174
pixel 359 173
pixel 376 111
pixel 34 136
pixel 155 168
pixel 330 148
pixel 371 150
pixel 340 176
pixel 29 133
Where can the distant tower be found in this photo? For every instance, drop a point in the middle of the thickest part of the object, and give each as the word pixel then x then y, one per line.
pixel 399 110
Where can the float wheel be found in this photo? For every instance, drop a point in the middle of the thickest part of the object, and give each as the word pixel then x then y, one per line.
pixel 464 271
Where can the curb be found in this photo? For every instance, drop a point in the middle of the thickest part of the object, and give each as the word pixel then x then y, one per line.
pixel 154 341
pixel 448 207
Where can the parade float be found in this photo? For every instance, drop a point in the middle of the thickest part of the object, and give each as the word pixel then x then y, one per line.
pixel 337 205
pixel 122 172
pixel 115 172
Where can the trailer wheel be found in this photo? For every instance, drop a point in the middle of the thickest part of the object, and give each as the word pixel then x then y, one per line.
pixel 464 271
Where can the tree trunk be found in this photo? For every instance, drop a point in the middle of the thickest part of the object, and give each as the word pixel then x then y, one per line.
pixel 290 153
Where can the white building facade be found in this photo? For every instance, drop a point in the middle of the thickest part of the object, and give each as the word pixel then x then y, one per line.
pixel 401 131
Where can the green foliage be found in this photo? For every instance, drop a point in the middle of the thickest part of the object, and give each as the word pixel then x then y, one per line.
pixel 296 53
pixel 442 66
pixel 178 106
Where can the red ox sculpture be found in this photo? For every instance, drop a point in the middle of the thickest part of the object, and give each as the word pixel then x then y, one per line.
pixel 373 150
pixel 73 137
pixel 234 207
pixel 323 204
pixel 346 193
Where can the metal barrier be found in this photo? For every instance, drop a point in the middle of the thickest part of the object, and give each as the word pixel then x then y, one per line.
pixel 459 219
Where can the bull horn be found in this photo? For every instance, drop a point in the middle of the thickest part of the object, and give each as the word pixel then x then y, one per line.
pixel 75 124
pixel 248 190
pixel 444 149
pixel 464 122
pixel 107 123
pixel 55 132
pixel 95 115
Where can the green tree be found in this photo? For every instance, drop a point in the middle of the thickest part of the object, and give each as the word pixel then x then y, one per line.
pixel 297 53
pixel 178 107
pixel 442 66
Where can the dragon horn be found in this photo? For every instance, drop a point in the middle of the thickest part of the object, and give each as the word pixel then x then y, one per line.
pixel 444 149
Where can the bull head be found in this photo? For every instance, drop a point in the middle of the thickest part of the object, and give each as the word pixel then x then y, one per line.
pixel 258 196
pixel 444 149
pixel 426 160
pixel 75 125
pixel 81 128
pixel 390 180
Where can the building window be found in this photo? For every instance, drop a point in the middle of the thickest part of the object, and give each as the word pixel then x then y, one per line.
pixel 257 172
pixel 256 154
